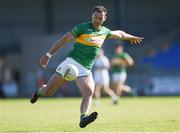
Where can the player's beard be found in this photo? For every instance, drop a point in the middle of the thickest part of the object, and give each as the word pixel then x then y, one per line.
pixel 97 24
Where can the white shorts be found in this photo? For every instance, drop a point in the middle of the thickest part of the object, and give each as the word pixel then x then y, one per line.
pixel 83 71
pixel 119 77
pixel 101 77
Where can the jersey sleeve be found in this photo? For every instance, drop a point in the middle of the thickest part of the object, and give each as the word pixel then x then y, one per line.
pixel 109 33
pixel 77 30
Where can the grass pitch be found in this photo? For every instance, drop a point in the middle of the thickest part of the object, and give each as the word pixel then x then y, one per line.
pixel 152 114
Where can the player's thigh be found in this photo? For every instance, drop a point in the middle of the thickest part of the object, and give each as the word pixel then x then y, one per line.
pixel 55 82
pixel 86 85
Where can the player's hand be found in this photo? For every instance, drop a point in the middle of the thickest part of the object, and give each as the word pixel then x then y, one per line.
pixel 44 61
pixel 136 40
pixel 123 62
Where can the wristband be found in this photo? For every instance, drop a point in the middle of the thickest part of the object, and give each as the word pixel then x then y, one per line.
pixel 48 55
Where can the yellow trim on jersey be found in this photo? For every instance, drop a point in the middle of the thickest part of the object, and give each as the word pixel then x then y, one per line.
pixel 91 39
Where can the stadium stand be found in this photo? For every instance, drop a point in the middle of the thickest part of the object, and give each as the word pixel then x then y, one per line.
pixel 167 58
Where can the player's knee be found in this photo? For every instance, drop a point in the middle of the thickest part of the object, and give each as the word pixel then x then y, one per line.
pixel 88 92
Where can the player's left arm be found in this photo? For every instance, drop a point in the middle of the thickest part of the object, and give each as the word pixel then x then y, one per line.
pixel 125 36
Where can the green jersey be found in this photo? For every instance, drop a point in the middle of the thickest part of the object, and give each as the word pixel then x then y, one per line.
pixel 87 43
pixel 119 68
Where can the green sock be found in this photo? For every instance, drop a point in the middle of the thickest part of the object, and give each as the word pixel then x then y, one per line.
pixel 83 115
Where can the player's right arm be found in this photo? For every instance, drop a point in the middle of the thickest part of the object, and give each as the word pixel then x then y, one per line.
pixel 68 37
pixel 125 36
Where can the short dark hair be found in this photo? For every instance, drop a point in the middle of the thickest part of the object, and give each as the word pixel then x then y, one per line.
pixel 119 45
pixel 100 9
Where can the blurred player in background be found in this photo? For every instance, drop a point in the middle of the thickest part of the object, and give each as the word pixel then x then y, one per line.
pixel 119 62
pixel 89 37
pixel 101 78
